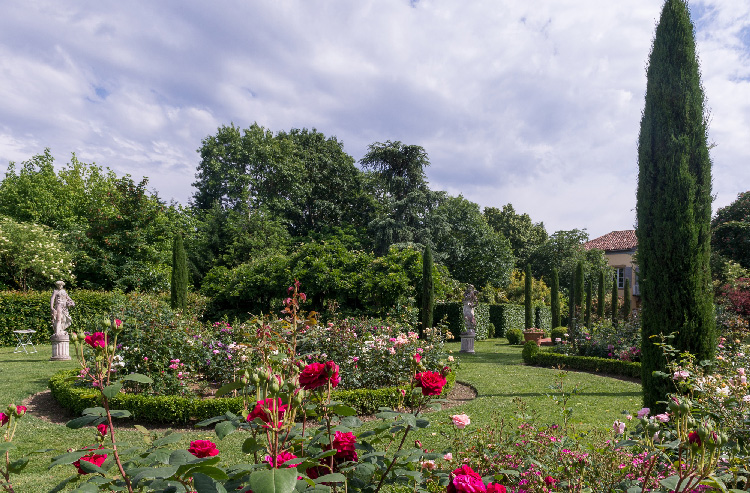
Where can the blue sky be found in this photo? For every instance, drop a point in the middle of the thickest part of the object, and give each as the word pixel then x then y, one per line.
pixel 537 103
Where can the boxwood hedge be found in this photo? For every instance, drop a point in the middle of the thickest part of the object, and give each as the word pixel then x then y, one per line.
pixel 583 363
pixel 184 410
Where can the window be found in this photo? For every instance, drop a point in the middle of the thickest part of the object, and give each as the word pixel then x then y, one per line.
pixel 620 274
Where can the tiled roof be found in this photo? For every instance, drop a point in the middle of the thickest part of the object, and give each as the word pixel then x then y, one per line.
pixel 616 240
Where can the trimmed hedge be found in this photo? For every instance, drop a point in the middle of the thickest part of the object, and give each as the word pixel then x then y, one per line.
pixel 506 316
pixel 584 363
pixel 454 312
pixel 184 410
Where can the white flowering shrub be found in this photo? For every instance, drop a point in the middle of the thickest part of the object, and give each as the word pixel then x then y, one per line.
pixel 31 256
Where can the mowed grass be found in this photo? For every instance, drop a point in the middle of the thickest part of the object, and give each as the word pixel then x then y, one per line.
pixel 495 371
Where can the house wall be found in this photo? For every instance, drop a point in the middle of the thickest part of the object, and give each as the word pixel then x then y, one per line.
pixel 625 259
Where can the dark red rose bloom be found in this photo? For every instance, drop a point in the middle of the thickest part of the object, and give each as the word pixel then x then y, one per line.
pixel 496 488
pixel 96 459
pixel 203 448
pixel 431 382
pixel 265 409
pixel 20 411
pixel 280 459
pixel 317 375
pixel 550 481
pixel 694 438
pixel 344 445
pixel 102 428
pixel 97 339
pixel 465 480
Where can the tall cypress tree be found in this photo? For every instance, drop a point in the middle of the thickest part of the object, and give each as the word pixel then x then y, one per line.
pixel 602 296
pixel 555 298
pixel 579 288
pixel 673 207
pixel 614 300
pixel 588 305
pixel 528 312
pixel 178 293
pixel 626 301
pixel 571 309
pixel 428 288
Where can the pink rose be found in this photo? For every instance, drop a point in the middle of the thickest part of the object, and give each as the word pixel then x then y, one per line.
pixel 203 448
pixel 20 411
pixel 97 339
pixel 663 417
pixel 680 375
pixel 465 480
pixel 430 382
pixel 496 488
pixel 448 456
pixel 619 427
pixel 417 357
pixel 280 459
pixel 4 418
pixel 460 421
pixel 118 323
pixel 96 459
pixel 643 412
pixel 317 375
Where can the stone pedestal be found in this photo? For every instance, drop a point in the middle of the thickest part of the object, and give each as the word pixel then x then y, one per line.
pixel 467 342
pixel 60 346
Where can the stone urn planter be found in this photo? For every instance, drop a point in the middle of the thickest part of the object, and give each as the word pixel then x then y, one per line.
pixel 533 335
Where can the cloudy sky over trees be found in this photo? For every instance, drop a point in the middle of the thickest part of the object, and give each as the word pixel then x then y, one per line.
pixel 533 103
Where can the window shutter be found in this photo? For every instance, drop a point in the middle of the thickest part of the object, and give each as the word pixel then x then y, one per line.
pixel 636 284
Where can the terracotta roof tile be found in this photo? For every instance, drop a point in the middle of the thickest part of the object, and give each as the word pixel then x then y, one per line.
pixel 616 240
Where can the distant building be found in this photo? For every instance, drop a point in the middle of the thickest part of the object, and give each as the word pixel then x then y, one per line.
pixel 619 248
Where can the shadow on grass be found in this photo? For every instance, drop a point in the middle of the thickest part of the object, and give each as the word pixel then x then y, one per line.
pixel 552 392
pixel 496 358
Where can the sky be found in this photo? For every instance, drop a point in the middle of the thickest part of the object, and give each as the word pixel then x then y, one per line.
pixel 536 103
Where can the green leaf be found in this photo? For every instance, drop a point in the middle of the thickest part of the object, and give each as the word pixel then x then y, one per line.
pixel 331 478
pixel 180 457
pixel 273 481
pixel 351 422
pixel 155 473
pixel 343 410
pixel 226 388
pixel 251 445
pixel 137 377
pixel 98 411
pixel 211 471
pixel 207 484
pixel 670 483
pixel 110 391
pixel 82 421
pixel 87 488
pixel 210 421
pixel 68 458
pixel 6 446
pixel 120 413
pixel 90 468
pixel 167 439
pixel 17 465
pixel 224 428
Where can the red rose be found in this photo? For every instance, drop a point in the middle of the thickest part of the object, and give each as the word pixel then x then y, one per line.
pixel 431 382
pixel 344 445
pixel 317 375
pixel 4 418
pixel 96 459
pixel 102 429
pixel 694 438
pixel 550 481
pixel 265 410
pixel 465 480
pixel 280 459
pixel 203 448
pixel 496 488
pixel 97 339
pixel 20 411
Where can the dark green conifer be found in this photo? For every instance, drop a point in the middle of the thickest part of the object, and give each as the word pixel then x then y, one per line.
pixel 588 305
pixel 626 301
pixel 179 283
pixel 602 296
pixel 673 207
pixel 528 312
pixel 428 289
pixel 615 299
pixel 579 288
pixel 555 301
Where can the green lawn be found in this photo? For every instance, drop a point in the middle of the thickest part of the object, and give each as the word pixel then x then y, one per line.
pixel 495 371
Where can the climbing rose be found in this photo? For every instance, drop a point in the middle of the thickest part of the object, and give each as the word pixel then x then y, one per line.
pixel 430 382
pixel 97 339
pixel 96 459
pixel 317 375
pixel 203 448
pixel 465 480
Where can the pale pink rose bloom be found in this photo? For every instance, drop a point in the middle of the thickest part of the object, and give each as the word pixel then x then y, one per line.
pixel 644 412
pixel 741 371
pixel 448 456
pixel 743 380
pixel 619 427
pixel 746 398
pixel 680 375
pixel 663 417
pixel 460 421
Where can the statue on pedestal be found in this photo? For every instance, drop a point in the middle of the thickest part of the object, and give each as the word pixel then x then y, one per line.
pixel 470 322
pixel 60 322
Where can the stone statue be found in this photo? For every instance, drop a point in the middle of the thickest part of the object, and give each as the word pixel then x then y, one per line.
pixel 470 301
pixel 59 305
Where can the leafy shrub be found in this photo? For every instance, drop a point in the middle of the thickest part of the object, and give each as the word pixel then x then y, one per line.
pixel 605 340
pixel 543 317
pixel 586 363
pixel 514 336
pixel 559 333
pixel 530 349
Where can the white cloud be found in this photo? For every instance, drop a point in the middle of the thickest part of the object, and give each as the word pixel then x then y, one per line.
pixel 537 105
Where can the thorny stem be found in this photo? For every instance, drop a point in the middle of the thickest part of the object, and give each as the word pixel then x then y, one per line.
pixel 114 445
pixel 390 466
